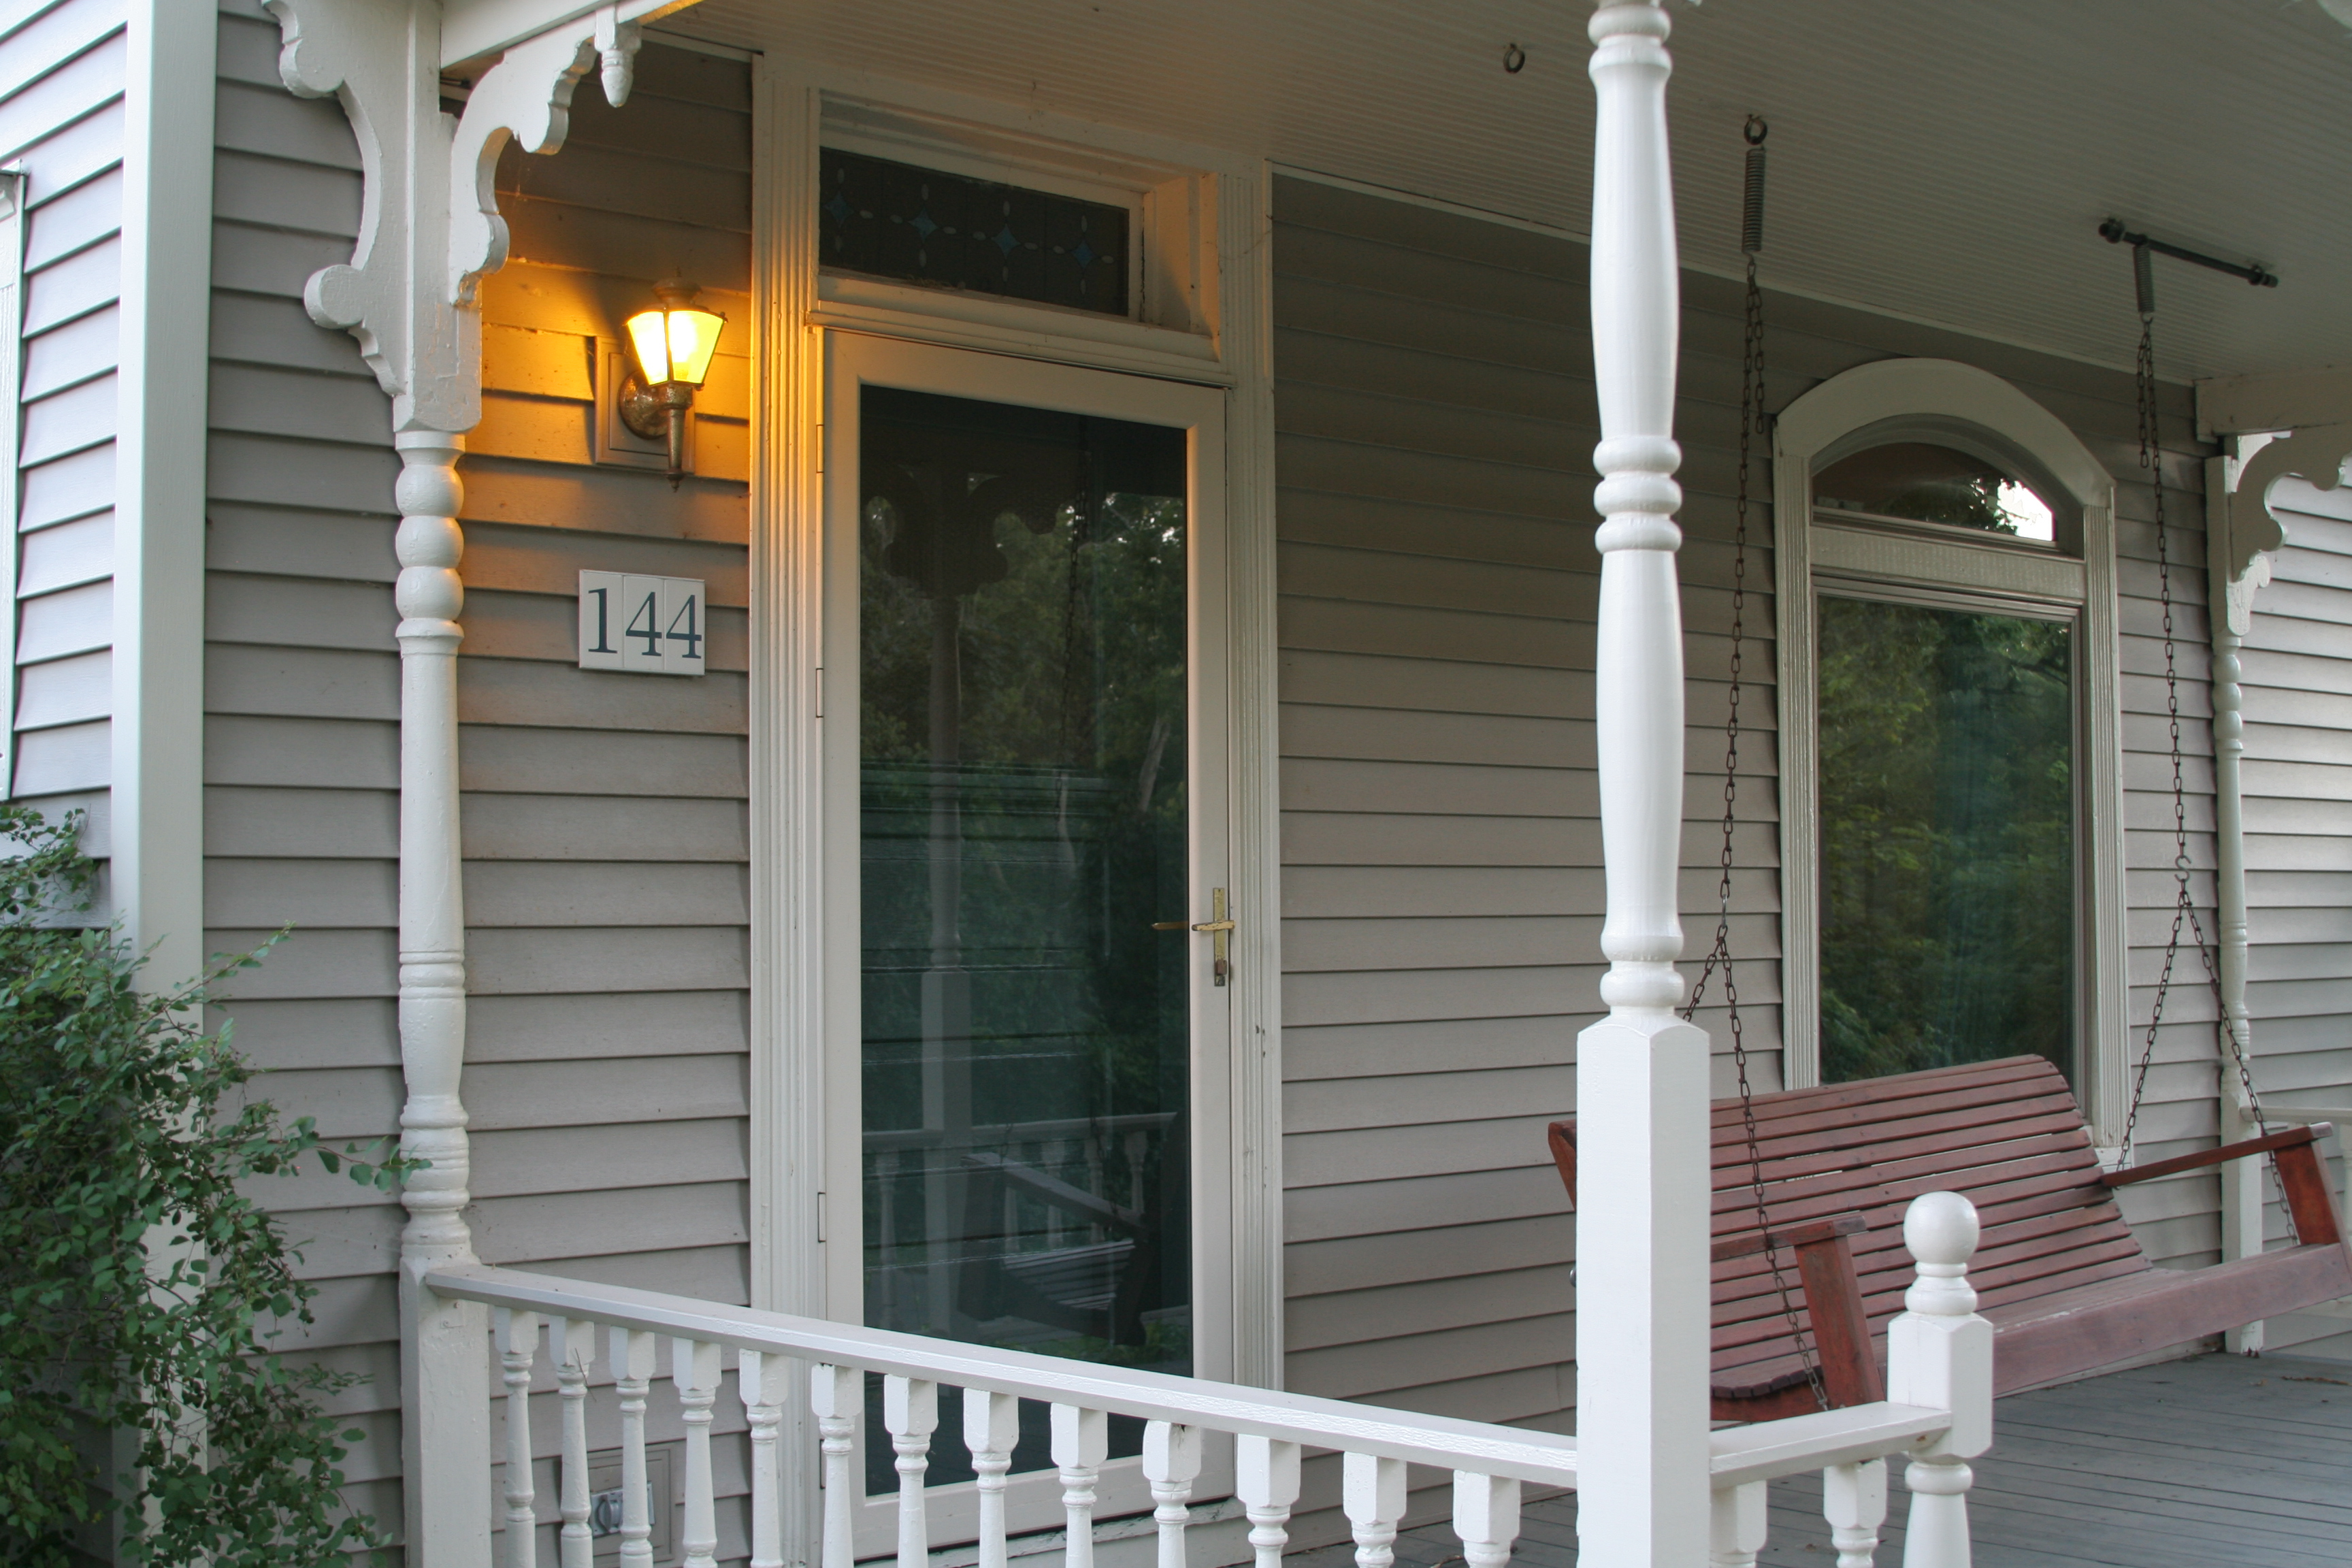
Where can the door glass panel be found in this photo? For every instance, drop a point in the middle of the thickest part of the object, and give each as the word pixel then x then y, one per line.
pixel 1022 591
pixel 1948 841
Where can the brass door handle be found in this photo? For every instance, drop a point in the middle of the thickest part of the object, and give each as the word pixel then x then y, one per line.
pixel 1219 925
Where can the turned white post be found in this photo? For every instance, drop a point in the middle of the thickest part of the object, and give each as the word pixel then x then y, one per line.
pixel 991 1429
pixel 1736 1526
pixel 1853 1501
pixel 1081 1444
pixel 910 1413
pixel 1372 1489
pixel 836 1394
pixel 1265 1479
pixel 518 1348
pixel 1172 1463
pixel 763 1381
pixel 634 1355
pixel 1486 1518
pixel 694 1370
pixel 2230 586
pixel 573 1343
pixel 1641 1074
pixel 445 1376
pixel 1939 1355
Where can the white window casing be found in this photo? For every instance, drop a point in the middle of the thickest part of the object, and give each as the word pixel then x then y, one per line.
pixel 1957 405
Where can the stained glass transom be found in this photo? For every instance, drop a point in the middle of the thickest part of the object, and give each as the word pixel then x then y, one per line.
pixel 925 226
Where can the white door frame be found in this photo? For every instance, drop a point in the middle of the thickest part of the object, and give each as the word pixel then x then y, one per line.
pixel 1226 339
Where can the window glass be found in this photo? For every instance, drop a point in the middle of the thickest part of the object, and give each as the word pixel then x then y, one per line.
pixel 1948 841
pixel 926 226
pixel 1933 484
pixel 1024 823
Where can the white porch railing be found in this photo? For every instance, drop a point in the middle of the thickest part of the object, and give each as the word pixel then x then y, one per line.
pixel 1940 1373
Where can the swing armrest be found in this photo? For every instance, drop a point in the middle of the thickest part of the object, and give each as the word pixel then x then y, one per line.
pixel 1832 1293
pixel 2293 1137
pixel 2310 1201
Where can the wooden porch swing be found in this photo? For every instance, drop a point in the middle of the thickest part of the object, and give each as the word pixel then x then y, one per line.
pixel 2057 1271
pixel 1828 1172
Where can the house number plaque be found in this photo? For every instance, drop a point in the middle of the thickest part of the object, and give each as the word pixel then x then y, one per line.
pixel 642 625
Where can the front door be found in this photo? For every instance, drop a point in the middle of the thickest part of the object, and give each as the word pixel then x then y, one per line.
pixel 1025 806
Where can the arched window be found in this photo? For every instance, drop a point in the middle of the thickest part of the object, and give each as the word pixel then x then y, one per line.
pixel 1950 745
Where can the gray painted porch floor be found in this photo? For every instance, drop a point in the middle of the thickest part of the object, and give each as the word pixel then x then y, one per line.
pixel 2218 1462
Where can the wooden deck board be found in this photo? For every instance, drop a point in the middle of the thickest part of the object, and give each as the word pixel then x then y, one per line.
pixel 2189 1464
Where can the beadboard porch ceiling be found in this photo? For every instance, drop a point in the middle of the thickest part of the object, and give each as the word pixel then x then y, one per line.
pixel 1949 164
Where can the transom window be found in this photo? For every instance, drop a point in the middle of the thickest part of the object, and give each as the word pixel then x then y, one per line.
pixel 1921 482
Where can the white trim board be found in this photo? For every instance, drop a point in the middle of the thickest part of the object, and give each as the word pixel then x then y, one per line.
pixel 156 870
pixel 1956 406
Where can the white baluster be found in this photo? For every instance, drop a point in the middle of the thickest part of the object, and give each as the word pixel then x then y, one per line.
pixel 1081 1443
pixel 911 1411
pixel 1266 1478
pixel 518 1344
pixel 1853 1500
pixel 836 1394
pixel 763 1381
pixel 992 1428
pixel 1172 1463
pixel 573 1343
pixel 1735 1532
pixel 1642 1084
pixel 1373 1490
pixel 1939 1355
pixel 634 1352
pixel 1486 1518
pixel 694 1368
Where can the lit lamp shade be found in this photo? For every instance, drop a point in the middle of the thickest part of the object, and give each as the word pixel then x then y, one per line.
pixel 674 344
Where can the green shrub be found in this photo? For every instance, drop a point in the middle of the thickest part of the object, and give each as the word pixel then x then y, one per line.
pixel 139 1287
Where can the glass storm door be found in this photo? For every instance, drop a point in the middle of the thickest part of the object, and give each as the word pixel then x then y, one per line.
pixel 1025 825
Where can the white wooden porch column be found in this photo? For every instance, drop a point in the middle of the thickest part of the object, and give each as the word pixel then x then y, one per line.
pixel 430 230
pixel 1641 1073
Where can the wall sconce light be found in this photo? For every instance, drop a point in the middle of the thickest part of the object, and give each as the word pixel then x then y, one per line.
pixel 672 345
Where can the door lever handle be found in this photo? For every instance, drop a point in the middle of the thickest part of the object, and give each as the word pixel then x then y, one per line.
pixel 1219 925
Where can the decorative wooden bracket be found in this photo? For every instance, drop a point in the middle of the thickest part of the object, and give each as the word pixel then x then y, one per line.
pixel 429 224
pixel 2247 531
pixel 525 98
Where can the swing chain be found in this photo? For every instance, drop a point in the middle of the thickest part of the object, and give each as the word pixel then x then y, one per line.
pixel 2184 905
pixel 1753 423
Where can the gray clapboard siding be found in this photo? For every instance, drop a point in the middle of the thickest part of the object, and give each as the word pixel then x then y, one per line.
pixel 66 690
pixel 1441 847
pixel 61 122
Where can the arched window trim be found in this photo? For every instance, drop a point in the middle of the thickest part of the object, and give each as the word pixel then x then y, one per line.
pixel 1962 406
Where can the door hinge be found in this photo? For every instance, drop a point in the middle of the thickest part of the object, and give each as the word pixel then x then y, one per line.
pixel 820 448
pixel 820 1219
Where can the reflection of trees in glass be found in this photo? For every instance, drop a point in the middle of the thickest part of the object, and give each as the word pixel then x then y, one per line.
pixel 1919 480
pixel 1946 813
pixel 1022 628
